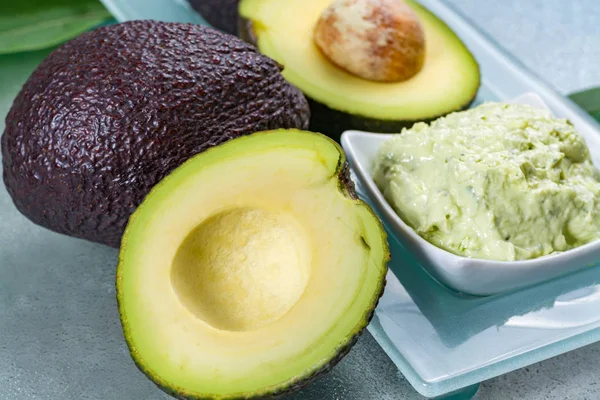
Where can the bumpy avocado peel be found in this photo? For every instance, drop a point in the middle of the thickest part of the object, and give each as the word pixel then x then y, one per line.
pixel 110 113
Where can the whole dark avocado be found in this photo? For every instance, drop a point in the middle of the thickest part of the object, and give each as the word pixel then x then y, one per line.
pixel 222 14
pixel 110 113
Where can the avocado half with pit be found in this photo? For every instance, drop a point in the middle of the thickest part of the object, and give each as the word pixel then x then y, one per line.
pixel 285 31
pixel 250 269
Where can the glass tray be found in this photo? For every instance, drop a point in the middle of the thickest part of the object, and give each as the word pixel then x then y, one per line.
pixel 445 342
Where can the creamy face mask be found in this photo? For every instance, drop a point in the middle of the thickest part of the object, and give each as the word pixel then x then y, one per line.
pixel 500 182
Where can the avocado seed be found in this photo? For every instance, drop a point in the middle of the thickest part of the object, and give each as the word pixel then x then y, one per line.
pixel 377 40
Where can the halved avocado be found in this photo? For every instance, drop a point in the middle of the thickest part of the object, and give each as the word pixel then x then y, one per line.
pixel 250 269
pixel 283 30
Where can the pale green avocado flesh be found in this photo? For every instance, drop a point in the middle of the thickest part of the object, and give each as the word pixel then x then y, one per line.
pixel 250 269
pixel 501 182
pixel 448 81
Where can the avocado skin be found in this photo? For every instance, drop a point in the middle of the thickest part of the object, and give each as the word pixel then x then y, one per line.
pixel 333 122
pixel 222 14
pixel 348 188
pixel 110 113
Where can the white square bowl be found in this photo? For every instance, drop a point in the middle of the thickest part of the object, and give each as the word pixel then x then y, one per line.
pixel 467 275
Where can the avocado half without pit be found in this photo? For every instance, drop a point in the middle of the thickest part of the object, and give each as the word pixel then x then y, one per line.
pixel 377 65
pixel 250 269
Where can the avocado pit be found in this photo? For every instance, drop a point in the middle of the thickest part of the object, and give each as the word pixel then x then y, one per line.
pixel 377 40
pixel 242 268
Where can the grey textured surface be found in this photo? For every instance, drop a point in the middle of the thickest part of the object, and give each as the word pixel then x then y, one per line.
pixel 558 40
pixel 59 332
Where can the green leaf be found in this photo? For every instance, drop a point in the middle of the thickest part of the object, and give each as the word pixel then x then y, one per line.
pixel 589 100
pixel 27 25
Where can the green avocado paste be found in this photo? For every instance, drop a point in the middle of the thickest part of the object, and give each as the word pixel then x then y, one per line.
pixel 499 182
